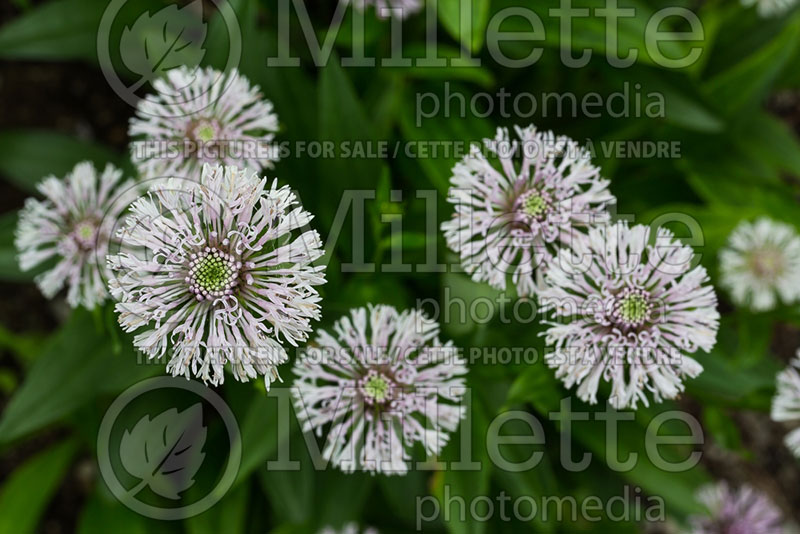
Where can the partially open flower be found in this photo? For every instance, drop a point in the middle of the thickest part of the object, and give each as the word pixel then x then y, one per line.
pixel 72 225
pixel 786 403
pixel 511 218
pixel 770 8
pixel 218 271
pixel 742 511
pixel 349 528
pixel 384 383
pixel 388 8
pixel 202 116
pixel 761 264
pixel 629 312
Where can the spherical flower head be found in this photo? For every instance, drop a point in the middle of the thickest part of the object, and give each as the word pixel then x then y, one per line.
pixel 72 225
pixel 199 116
pixel 383 383
pixel 742 511
pixel 629 312
pixel 761 264
pixel 512 216
pixel 218 271
pixel 389 8
pixel 770 8
pixel 786 403
pixel 349 528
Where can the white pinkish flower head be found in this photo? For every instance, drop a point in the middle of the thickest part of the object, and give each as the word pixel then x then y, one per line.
pixel 742 511
pixel 218 271
pixel 199 116
pixel 72 225
pixel 382 383
pixel 629 312
pixel 536 195
pixel 761 264
pixel 786 403
pixel 388 8
pixel 349 528
pixel 770 8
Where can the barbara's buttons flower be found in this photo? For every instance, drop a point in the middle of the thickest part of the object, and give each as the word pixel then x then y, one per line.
pixel 628 312
pixel 72 225
pixel 349 528
pixel 388 8
pixel 383 383
pixel 786 404
pixel 761 264
pixel 202 116
pixel 770 8
pixel 742 511
pixel 536 195
pixel 218 272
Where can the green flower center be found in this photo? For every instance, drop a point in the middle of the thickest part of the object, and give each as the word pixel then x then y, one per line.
pixel 85 234
pixel 205 131
pixel 212 273
pixel 376 388
pixel 767 263
pixel 632 307
pixel 535 204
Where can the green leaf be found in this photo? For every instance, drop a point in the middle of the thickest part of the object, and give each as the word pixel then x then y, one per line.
pixel 422 133
pixel 218 46
pixel 25 346
pixel 676 488
pixel 460 288
pixel 291 491
pixel 28 490
pixel 103 513
pixel 258 423
pixel 459 483
pixel 589 32
pixel 342 119
pixel 686 112
pixel 397 491
pixel 28 156
pixel 469 69
pixel 736 373
pixel 62 29
pixel 465 21
pixel 539 480
pixel 537 386
pixel 747 82
pixel 771 141
pixel 72 369
pixel 341 496
pixel 228 515
pixel 720 425
pixel 344 125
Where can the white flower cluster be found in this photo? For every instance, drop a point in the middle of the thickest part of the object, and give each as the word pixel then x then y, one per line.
pixel 623 310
